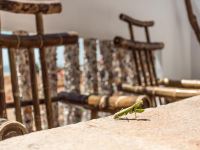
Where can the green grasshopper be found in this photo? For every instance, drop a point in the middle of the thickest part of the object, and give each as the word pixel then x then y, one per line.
pixel 135 108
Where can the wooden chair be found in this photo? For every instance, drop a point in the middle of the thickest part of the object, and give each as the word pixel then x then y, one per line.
pixel 42 41
pixel 148 83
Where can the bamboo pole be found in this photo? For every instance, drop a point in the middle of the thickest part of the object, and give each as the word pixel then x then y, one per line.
pixel 51 57
pixel 34 88
pixel 114 103
pixel 36 41
pixel 23 74
pixel 175 93
pixel 135 53
pixel 193 19
pixel 136 22
pixel 150 63
pixel 15 86
pixel 130 45
pixel 2 88
pixel 139 53
pixel 193 84
pixel 102 103
pixel 148 54
pixel 40 31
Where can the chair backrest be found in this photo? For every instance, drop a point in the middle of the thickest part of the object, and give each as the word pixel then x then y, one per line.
pixel 144 60
pixel 143 55
pixel 36 8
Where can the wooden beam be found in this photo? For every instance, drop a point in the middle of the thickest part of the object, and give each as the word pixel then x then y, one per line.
pixel 193 84
pixel 193 19
pixel 103 103
pixel 128 44
pixel 29 7
pixel 45 77
pixel 136 22
pixel 174 93
pixel 37 41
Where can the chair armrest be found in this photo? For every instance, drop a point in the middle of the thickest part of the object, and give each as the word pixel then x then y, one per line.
pixel 194 84
pixel 128 44
pixel 136 22
pixel 10 129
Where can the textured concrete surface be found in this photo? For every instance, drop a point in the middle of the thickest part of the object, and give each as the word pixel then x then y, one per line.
pixel 171 127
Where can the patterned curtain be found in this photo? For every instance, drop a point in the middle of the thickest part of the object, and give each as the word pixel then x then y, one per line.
pixel 105 67
pixel 90 67
pixel 72 80
pixel 90 74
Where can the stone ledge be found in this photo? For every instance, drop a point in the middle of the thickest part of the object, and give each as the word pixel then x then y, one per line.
pixel 173 126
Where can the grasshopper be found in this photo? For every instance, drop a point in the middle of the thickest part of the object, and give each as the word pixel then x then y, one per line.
pixel 135 108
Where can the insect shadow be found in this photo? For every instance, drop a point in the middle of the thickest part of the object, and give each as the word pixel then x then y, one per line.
pixel 133 119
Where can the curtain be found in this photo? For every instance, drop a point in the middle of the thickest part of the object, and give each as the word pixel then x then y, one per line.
pixel 72 81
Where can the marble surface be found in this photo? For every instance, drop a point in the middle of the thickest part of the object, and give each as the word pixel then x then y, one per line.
pixel 171 127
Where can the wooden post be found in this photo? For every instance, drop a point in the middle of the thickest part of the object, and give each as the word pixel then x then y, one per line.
pixel 51 57
pixel 40 31
pixel 15 86
pixel 35 41
pixel 34 88
pixel 135 55
pixel 151 63
pixel 2 88
pixel 193 19
pixel 150 56
pixel 174 93
pixel 23 74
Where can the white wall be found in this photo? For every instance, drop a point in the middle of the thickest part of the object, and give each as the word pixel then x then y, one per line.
pixel 99 19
